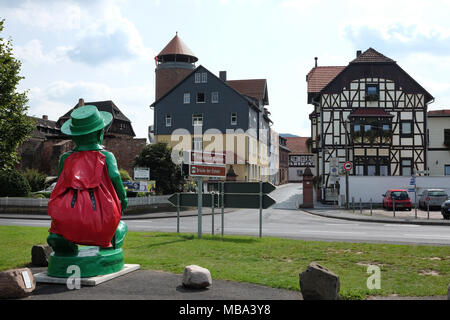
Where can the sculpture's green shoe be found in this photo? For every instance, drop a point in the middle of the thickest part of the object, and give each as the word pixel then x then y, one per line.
pixel 92 261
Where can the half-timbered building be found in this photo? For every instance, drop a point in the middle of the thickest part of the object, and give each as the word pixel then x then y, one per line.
pixel 370 113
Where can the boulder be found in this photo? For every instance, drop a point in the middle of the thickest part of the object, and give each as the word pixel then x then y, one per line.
pixel 40 255
pixel 16 283
pixel 319 283
pixel 196 277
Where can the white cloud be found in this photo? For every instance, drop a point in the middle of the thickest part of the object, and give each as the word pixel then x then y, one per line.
pixel 32 52
pixel 56 15
pixel 300 5
pixel 133 101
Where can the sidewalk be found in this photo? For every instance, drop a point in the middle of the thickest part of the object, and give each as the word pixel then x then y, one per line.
pixel 378 215
pixel 134 216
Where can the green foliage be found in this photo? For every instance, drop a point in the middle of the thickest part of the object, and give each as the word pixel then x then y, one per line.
pixel 13 184
pixel 167 174
pixel 124 175
pixel 15 126
pixel 43 194
pixel 35 179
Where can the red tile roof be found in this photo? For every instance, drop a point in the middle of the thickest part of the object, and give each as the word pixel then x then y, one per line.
pixel 319 77
pixel 370 112
pixel 372 56
pixel 176 46
pixel 445 112
pixel 297 145
pixel 255 88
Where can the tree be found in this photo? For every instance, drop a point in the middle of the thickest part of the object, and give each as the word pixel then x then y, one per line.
pixel 167 174
pixel 15 125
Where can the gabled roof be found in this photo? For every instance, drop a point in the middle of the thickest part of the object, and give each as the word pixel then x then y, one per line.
pixel 107 106
pixel 370 112
pixel 176 47
pixel 439 113
pixel 372 56
pixel 254 88
pixel 297 145
pixel 250 100
pixel 319 77
pixel 45 123
pixel 385 68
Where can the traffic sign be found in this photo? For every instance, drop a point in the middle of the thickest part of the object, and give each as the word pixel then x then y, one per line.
pixel 248 187
pixel 411 190
pixel 200 157
pixel 204 170
pixel 233 200
pixel 348 166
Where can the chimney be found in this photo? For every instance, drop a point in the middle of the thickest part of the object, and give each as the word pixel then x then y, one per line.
pixel 358 53
pixel 45 117
pixel 223 75
pixel 316 60
pixel 80 102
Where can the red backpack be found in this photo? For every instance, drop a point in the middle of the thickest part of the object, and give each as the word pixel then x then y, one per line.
pixel 84 205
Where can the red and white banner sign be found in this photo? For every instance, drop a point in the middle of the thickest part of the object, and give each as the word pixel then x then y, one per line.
pixel 207 157
pixel 203 170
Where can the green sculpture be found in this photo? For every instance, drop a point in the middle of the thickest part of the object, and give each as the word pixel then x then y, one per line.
pixel 84 205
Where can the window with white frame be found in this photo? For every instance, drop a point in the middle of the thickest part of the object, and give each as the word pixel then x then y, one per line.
pixel 187 98
pixel 198 77
pixel 197 119
pixel 204 77
pixel 197 143
pixel 234 118
pixel 168 120
pixel 215 97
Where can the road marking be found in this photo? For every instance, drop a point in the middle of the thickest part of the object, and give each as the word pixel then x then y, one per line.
pixel 342 224
pixel 331 232
pixel 402 225
pixel 426 236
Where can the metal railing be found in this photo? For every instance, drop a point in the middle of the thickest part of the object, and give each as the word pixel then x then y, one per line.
pixel 43 202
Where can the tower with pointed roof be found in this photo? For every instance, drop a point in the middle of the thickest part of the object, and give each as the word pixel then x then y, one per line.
pixel 173 64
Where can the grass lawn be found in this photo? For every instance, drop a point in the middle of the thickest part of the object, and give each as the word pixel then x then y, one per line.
pixel 405 270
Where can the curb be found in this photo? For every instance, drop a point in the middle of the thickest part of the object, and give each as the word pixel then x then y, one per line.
pixel 380 220
pixel 124 217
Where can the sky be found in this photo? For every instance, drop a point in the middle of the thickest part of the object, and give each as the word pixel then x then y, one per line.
pixel 104 49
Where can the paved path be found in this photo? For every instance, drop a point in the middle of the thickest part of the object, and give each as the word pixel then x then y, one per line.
pixel 158 285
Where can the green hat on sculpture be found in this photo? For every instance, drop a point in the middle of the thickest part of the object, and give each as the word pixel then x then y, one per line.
pixel 86 119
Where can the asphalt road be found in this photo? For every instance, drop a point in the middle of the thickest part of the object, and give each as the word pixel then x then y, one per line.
pixel 282 221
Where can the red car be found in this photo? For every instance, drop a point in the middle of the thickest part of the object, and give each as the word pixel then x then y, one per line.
pixel 400 197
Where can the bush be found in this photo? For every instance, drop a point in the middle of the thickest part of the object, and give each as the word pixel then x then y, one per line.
pixel 124 175
pixel 13 184
pixel 35 179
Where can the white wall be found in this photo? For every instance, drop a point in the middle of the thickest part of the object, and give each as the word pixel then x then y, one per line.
pixel 373 187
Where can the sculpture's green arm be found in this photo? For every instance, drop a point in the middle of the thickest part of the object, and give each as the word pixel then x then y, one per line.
pixel 114 175
pixel 61 162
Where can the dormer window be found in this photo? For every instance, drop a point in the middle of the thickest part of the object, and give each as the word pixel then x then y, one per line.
pixel 372 92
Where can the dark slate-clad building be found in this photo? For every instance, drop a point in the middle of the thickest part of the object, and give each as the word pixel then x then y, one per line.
pixel 210 113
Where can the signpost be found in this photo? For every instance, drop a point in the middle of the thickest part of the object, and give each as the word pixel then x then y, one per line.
pixel 242 195
pixel 348 166
pixel 141 173
pixel 202 170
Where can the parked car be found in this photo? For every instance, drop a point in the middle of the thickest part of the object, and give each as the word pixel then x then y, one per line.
pixel 445 209
pixel 400 197
pixel 435 197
